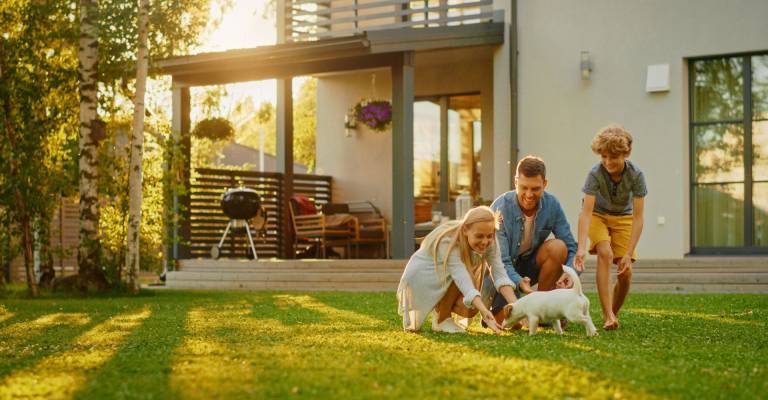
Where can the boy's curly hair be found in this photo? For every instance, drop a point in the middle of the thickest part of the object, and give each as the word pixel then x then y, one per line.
pixel 614 140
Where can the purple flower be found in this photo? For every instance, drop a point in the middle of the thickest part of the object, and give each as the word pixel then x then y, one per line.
pixel 377 114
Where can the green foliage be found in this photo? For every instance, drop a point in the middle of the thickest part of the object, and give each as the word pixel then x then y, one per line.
pixel 334 345
pixel 305 124
pixel 38 130
pixel 213 129
pixel 263 118
pixel 39 82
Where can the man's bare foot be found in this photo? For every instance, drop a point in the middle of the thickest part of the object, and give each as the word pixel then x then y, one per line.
pixel 611 325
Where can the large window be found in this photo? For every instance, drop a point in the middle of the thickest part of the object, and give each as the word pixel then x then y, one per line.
pixel 446 146
pixel 729 154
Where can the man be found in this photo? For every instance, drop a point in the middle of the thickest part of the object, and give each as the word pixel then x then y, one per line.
pixel 529 215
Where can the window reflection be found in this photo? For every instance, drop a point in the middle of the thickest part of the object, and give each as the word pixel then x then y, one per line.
pixel 719 153
pixel 760 150
pixel 718 90
pixel 719 215
pixel 760 203
pixel 760 87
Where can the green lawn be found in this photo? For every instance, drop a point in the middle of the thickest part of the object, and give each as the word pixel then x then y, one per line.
pixel 205 345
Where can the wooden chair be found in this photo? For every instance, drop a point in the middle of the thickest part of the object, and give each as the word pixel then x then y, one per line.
pixel 370 226
pixel 313 229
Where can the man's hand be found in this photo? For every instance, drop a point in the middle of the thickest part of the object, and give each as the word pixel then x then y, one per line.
pixel 578 261
pixel 625 264
pixel 525 285
pixel 564 282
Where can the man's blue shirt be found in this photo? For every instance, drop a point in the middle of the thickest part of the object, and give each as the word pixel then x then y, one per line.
pixel 550 218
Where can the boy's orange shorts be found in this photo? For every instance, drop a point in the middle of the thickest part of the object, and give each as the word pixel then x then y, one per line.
pixel 615 229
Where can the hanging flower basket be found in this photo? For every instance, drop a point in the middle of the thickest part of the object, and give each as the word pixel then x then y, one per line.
pixel 374 114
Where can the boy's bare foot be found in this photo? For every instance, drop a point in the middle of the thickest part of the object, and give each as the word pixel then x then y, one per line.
pixel 611 325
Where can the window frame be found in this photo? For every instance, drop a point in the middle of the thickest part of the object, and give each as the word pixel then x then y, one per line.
pixel 746 123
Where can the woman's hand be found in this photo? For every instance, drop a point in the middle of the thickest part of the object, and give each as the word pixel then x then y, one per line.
pixel 490 321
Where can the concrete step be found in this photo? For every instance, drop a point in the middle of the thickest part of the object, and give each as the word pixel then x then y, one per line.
pixel 689 288
pixel 301 286
pixel 286 276
pixel 689 275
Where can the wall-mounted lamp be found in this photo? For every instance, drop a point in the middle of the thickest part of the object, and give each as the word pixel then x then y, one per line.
pixel 349 125
pixel 586 66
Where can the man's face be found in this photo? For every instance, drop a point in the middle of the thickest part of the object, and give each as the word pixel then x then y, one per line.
pixel 529 191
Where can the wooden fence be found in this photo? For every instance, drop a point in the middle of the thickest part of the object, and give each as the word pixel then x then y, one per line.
pixel 207 221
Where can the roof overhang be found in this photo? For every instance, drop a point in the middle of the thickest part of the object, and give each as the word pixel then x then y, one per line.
pixel 368 50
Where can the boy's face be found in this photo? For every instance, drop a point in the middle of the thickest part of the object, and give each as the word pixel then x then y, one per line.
pixel 529 191
pixel 614 163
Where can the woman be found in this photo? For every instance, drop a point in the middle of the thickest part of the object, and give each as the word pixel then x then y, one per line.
pixel 445 275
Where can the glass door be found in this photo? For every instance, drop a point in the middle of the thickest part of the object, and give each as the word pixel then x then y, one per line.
pixel 447 143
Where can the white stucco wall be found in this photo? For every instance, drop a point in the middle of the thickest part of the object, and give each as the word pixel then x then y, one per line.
pixel 361 165
pixel 559 113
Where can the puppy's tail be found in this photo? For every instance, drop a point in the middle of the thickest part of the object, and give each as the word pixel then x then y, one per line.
pixel 574 278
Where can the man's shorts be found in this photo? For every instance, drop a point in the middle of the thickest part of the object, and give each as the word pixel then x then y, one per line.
pixel 615 229
pixel 525 266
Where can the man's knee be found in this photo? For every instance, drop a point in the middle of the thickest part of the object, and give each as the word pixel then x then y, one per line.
pixel 554 250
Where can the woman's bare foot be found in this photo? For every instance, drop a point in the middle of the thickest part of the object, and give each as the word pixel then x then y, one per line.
pixel 611 324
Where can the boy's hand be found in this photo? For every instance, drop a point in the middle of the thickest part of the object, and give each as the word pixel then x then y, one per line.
pixel 625 264
pixel 578 261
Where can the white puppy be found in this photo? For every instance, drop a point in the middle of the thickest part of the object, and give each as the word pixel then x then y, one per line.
pixel 552 306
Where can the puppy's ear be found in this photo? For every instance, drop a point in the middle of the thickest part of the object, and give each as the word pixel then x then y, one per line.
pixel 508 310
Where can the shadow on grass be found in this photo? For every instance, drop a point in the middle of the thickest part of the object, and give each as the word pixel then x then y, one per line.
pixel 142 366
pixel 26 339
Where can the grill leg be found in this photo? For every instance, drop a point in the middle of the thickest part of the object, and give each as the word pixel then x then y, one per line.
pixel 225 233
pixel 250 239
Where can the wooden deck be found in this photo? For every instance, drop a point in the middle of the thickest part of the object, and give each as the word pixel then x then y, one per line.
pixel 689 275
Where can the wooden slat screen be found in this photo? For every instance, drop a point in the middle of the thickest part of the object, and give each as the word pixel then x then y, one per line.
pixel 208 220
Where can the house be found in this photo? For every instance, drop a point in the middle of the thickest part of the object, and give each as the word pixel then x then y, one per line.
pixel 477 84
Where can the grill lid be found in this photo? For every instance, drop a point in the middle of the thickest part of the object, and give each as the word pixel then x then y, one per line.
pixel 240 203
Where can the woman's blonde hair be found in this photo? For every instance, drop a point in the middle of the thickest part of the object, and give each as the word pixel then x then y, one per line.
pixel 454 231
pixel 614 140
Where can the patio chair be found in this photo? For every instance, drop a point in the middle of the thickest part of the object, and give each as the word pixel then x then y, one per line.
pixel 316 230
pixel 370 226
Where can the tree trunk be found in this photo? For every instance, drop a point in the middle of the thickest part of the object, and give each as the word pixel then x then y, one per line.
pixel 22 215
pixel 90 276
pixel 137 148
pixel 47 272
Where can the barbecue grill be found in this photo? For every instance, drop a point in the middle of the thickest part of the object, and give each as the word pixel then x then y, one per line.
pixel 241 205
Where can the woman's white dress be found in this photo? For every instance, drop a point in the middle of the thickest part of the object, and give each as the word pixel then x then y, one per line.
pixel 422 286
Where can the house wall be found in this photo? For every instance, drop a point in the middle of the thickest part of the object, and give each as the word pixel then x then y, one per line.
pixel 559 113
pixel 361 165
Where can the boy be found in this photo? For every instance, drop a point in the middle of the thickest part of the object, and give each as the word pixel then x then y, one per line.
pixel 612 215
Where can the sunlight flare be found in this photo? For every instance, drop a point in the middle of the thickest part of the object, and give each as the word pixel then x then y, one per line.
pixel 61 375
pixel 5 314
pixel 205 366
pixel 654 312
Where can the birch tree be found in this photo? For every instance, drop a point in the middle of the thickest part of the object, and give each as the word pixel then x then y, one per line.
pixel 90 276
pixel 132 261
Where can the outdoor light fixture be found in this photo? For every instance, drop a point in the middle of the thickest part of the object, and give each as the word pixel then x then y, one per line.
pixel 586 66
pixel 349 125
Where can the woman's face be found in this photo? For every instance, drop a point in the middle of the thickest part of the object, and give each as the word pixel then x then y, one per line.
pixel 481 235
